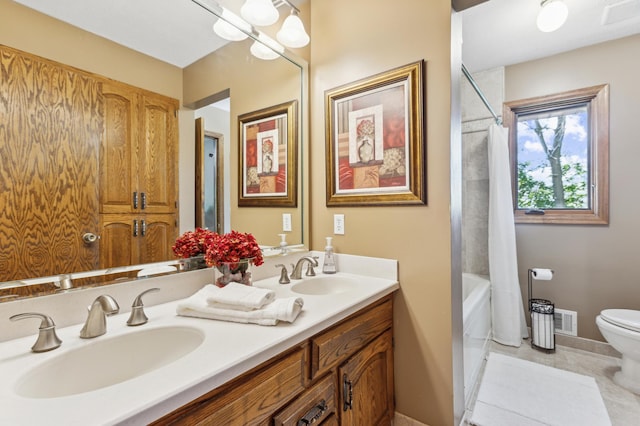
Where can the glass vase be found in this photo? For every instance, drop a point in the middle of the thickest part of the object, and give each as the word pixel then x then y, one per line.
pixel 238 272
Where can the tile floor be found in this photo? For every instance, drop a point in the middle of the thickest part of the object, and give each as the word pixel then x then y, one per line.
pixel 622 405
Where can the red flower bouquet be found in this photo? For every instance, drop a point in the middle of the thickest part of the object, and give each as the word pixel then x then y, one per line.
pixel 193 243
pixel 233 254
pixel 232 247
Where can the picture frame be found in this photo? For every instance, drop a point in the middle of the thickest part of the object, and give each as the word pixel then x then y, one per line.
pixel 375 139
pixel 268 162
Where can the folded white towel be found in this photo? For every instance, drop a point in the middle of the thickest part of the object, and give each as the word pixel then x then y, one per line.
pixel 286 309
pixel 239 296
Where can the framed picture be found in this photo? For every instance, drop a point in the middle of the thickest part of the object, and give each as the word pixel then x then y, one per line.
pixel 268 157
pixel 375 140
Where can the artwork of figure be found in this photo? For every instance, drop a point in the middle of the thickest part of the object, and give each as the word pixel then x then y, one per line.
pixel 267 156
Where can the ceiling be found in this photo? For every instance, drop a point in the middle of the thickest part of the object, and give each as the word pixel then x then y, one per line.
pixel 178 32
pixel 495 33
pixel 504 32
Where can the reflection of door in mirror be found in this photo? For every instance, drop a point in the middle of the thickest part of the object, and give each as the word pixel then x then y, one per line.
pixel 212 127
pixel 209 188
pixel 48 172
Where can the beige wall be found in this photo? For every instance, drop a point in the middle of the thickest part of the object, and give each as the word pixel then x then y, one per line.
pixel 353 40
pixel 254 84
pixel 595 266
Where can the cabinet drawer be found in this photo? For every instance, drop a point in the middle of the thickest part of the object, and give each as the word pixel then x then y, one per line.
pixel 322 394
pixel 249 400
pixel 343 340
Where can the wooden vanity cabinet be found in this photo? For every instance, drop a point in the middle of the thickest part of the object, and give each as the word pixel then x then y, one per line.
pixel 341 376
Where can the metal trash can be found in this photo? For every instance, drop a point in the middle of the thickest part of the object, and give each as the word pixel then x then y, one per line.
pixel 542 325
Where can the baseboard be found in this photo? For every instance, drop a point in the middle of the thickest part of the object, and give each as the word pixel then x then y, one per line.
pixel 402 420
pixel 589 345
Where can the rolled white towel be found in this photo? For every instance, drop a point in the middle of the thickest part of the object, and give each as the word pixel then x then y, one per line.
pixel 286 309
pixel 239 296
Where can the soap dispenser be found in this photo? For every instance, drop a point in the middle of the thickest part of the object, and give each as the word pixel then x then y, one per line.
pixel 283 243
pixel 329 265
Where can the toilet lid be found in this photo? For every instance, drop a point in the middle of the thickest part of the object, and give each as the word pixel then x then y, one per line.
pixel 627 318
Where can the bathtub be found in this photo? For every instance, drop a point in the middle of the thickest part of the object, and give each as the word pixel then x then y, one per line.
pixel 476 318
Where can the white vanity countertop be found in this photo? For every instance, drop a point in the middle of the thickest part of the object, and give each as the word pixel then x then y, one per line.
pixel 229 349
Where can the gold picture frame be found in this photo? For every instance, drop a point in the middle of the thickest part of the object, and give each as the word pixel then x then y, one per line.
pixel 375 140
pixel 268 146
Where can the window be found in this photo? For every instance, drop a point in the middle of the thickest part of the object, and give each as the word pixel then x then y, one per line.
pixel 559 147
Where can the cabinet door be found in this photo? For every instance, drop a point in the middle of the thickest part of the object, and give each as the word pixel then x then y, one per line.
pixel 366 388
pixel 157 233
pixel 118 159
pixel 158 154
pixel 118 240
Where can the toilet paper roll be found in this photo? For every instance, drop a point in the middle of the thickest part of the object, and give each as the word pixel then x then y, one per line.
pixel 542 274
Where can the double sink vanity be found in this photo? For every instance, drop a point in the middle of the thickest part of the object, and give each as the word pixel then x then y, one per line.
pixel 332 365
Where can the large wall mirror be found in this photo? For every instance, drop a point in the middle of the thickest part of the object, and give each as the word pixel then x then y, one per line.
pixel 223 83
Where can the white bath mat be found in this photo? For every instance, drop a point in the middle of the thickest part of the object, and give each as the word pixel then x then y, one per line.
pixel 517 392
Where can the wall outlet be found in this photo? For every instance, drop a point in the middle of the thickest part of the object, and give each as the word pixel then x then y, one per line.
pixel 338 224
pixel 286 222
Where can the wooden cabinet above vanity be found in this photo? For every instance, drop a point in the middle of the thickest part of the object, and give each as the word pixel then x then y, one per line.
pixel 341 376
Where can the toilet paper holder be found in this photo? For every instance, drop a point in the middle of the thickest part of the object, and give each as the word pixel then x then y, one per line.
pixel 542 316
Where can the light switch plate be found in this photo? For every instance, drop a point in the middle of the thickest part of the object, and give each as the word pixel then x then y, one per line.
pixel 338 224
pixel 286 222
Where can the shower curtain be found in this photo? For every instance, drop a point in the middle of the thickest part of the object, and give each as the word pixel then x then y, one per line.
pixel 507 312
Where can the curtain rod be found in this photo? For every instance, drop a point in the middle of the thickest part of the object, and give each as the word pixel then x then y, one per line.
pixel 482 97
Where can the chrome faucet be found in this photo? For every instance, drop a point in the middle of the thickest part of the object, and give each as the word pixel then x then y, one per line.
pixel 96 324
pixel 296 274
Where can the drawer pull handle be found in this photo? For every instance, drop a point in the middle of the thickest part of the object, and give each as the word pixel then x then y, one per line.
pixel 347 393
pixel 135 199
pixel 314 414
pixel 135 228
pixel 143 197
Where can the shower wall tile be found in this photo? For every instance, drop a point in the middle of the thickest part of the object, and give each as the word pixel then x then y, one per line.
pixel 475 159
pixel 476 120
pixel 475 229
pixel 491 83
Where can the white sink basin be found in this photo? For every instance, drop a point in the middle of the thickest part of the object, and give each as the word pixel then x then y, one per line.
pixel 325 285
pixel 108 361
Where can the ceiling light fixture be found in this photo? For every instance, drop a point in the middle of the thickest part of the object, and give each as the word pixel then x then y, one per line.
pixel 254 13
pixel 259 12
pixel 552 15
pixel 292 33
pixel 266 48
pixel 231 27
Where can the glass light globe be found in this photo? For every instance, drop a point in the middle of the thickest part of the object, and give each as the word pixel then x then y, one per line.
pixel 259 12
pixel 552 16
pixel 292 33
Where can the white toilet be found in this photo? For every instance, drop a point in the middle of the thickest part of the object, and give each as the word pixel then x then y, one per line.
pixel 621 328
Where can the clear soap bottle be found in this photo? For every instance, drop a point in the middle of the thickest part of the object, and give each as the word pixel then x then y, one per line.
pixel 329 265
